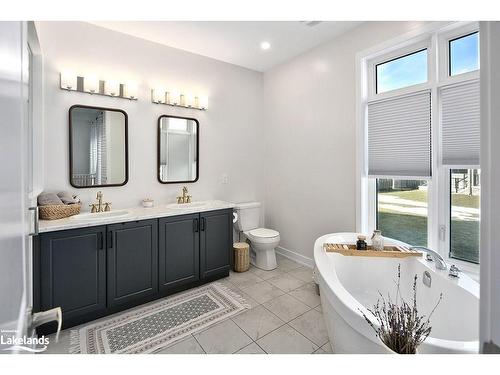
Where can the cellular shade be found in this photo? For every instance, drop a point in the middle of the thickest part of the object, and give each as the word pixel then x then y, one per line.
pixel 460 113
pixel 399 136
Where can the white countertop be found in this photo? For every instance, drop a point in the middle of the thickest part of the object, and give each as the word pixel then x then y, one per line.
pixel 135 213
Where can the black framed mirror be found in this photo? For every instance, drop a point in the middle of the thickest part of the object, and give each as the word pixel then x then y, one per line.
pixel 98 147
pixel 178 149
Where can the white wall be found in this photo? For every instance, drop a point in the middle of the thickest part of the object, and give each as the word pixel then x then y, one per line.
pixel 230 130
pixel 297 150
pixel 310 114
pixel 490 186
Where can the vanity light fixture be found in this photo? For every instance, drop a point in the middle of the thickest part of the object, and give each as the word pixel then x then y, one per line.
pixel 91 84
pixel 177 99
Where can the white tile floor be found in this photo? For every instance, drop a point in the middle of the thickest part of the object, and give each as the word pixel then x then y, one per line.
pixel 285 317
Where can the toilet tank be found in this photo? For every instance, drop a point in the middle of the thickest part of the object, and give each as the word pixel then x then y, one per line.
pixel 248 216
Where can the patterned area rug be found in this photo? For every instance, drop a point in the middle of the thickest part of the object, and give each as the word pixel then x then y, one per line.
pixel 159 324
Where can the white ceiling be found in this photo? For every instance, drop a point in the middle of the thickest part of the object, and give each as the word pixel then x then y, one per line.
pixel 236 42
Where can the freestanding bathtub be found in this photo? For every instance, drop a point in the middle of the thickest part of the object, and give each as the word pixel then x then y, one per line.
pixel 348 285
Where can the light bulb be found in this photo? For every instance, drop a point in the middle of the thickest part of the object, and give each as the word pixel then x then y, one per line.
pixel 91 84
pixel 189 100
pixel 69 80
pixel 112 88
pixel 130 90
pixel 159 95
pixel 203 102
pixel 175 97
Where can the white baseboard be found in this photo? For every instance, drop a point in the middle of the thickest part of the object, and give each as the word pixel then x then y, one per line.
pixel 296 257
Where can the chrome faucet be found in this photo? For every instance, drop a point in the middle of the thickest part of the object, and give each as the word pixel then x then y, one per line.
pixel 432 256
pixel 185 198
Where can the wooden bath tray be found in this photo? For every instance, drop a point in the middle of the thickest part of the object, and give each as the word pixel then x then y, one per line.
pixel 391 251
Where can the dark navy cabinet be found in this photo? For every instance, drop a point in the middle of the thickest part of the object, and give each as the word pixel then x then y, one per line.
pixel 72 271
pixel 215 243
pixel 132 252
pixel 96 271
pixel 179 251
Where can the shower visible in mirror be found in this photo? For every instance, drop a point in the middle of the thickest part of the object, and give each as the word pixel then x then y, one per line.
pixel 177 149
pixel 98 145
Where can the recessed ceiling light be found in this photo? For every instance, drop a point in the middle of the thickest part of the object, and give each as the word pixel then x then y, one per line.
pixel 265 45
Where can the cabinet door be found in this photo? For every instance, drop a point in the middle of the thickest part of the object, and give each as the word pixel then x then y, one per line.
pixel 73 271
pixel 215 242
pixel 132 262
pixel 179 251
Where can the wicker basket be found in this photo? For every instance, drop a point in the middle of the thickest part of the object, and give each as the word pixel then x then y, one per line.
pixel 58 211
pixel 241 256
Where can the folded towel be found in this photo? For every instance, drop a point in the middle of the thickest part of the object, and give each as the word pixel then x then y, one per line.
pixel 68 198
pixel 45 199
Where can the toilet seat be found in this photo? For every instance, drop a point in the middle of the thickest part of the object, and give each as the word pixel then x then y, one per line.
pixel 263 236
pixel 264 233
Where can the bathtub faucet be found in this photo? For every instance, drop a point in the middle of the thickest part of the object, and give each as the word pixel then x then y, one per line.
pixel 438 259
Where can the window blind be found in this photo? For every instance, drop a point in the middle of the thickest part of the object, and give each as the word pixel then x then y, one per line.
pixel 460 113
pixel 399 136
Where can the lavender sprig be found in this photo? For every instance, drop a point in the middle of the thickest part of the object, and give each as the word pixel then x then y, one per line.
pixel 400 327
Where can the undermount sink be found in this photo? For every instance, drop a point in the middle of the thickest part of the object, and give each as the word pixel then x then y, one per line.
pixel 100 215
pixel 187 206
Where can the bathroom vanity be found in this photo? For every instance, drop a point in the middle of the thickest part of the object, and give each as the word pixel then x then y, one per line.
pixel 93 268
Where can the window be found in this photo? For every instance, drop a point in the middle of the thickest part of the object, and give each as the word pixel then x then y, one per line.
pixel 401 72
pixel 420 179
pixel 465 192
pixel 402 210
pixel 464 54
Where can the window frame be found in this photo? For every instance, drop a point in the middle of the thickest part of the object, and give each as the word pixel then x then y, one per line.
pixel 448 234
pixel 457 32
pixel 376 65
pixel 470 267
pixel 436 40
pixel 450 41
pixel 414 47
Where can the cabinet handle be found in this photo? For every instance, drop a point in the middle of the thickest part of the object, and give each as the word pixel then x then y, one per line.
pixel 203 224
pixel 110 240
pixel 195 225
pixel 101 240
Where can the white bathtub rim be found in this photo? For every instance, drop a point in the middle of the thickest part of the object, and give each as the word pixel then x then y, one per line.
pixel 345 301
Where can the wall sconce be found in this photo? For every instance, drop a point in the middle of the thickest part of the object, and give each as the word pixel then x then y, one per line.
pixel 93 85
pixel 177 99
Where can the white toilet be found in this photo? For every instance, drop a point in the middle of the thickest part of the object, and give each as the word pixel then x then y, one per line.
pixel 262 241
